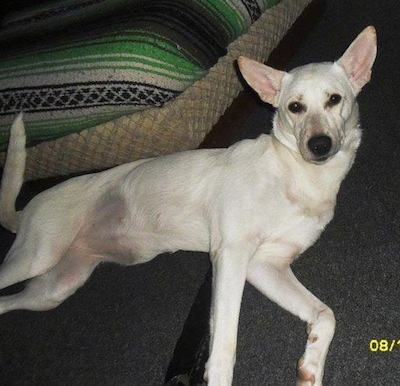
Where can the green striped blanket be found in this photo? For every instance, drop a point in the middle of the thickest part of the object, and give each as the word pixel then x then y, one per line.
pixel 70 65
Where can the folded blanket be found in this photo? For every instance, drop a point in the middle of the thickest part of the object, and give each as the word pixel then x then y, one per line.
pixel 71 65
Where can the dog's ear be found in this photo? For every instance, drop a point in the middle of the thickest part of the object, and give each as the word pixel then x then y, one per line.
pixel 264 80
pixel 358 59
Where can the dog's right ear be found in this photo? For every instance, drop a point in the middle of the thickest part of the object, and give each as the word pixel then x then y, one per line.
pixel 264 80
pixel 358 59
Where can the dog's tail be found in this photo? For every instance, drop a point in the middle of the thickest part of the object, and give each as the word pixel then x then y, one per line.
pixel 13 175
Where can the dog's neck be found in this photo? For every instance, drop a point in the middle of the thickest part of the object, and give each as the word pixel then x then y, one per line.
pixel 283 137
pixel 305 179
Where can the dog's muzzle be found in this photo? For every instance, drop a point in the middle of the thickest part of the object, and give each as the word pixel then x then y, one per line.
pixel 320 146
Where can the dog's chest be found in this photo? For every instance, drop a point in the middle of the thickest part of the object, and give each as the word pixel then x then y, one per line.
pixel 297 229
pixel 290 222
pixel 308 224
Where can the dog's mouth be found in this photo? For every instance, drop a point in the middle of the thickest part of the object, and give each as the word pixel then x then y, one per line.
pixel 321 160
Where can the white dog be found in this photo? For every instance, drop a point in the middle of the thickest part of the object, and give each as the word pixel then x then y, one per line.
pixel 255 207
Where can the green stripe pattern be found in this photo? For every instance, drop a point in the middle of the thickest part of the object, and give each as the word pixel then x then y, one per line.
pixel 70 66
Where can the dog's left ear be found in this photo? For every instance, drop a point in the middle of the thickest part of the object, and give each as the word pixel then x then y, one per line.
pixel 264 80
pixel 358 59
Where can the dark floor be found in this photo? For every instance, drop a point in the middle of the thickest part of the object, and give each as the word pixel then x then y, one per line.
pixel 122 326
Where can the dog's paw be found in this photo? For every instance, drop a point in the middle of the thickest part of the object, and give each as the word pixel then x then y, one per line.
pixel 306 373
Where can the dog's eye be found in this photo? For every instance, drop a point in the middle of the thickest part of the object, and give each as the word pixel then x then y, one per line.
pixel 296 107
pixel 334 100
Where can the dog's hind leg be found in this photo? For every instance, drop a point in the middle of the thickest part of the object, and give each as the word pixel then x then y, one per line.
pixel 23 263
pixel 42 240
pixel 280 285
pixel 50 289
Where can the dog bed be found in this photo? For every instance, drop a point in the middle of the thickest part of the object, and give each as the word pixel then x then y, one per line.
pixel 139 79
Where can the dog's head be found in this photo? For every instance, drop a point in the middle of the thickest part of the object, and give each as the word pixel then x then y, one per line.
pixel 315 103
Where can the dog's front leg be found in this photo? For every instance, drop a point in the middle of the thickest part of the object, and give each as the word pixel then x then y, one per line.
pixel 229 277
pixel 278 283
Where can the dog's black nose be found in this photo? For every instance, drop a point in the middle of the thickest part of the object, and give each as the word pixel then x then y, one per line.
pixel 320 145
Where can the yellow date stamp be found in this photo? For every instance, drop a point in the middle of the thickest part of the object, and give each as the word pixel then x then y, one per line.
pixel 384 345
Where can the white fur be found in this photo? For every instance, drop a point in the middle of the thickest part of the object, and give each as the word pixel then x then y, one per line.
pixel 254 206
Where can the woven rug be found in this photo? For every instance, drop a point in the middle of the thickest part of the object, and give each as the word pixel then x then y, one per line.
pixel 180 125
